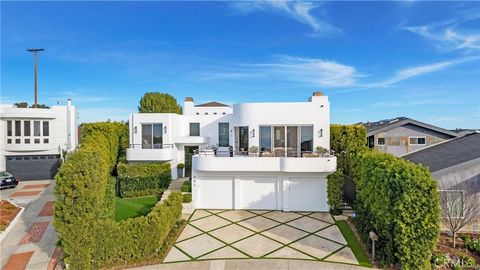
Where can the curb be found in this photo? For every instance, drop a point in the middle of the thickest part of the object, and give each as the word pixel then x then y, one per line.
pixel 13 223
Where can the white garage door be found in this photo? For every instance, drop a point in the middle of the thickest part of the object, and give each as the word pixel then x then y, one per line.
pixel 308 194
pixel 215 193
pixel 257 193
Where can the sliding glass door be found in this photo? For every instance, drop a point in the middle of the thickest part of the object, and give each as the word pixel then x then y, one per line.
pixel 279 140
pixel 290 141
pixel 152 136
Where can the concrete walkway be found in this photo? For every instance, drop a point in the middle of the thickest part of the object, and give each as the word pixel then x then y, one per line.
pixel 175 185
pixel 31 243
pixel 253 264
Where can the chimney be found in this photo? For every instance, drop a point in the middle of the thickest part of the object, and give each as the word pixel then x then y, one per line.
pixel 188 105
pixel 317 96
pixel 69 102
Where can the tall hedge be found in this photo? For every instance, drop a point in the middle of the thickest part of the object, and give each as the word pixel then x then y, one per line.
pixel 399 201
pixel 84 207
pixel 141 179
pixel 347 141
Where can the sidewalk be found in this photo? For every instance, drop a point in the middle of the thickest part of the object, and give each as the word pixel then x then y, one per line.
pixel 175 185
pixel 32 241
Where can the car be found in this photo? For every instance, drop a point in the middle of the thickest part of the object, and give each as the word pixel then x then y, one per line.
pixel 7 180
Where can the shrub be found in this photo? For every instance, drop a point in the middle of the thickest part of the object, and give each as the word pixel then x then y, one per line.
pixel 439 260
pixel 399 201
pixel 136 239
pixel 472 244
pixel 347 141
pixel 180 166
pixel 143 178
pixel 335 191
pixel 186 186
pixel 187 197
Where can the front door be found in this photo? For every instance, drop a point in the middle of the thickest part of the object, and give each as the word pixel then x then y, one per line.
pixel 189 150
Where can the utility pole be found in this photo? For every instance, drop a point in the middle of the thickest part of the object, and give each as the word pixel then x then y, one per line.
pixel 35 67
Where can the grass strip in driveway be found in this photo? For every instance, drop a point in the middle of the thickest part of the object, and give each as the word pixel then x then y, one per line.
pixel 133 207
pixel 353 243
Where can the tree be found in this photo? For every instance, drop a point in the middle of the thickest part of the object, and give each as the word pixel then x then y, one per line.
pixel 156 102
pixel 458 208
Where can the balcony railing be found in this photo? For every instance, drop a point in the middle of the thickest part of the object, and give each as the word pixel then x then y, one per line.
pixel 226 152
pixel 150 146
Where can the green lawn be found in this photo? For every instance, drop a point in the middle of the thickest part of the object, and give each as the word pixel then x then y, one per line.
pixel 357 249
pixel 133 207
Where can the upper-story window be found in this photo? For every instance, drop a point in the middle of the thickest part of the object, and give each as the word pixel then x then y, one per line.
pixel 18 128
pixel 265 138
pixel 286 140
pixel 36 128
pixel 152 136
pixel 380 141
pixel 9 128
pixel 223 134
pixel 194 129
pixel 23 130
pixel 417 140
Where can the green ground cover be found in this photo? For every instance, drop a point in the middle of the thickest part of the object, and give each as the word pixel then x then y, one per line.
pixel 133 207
pixel 353 243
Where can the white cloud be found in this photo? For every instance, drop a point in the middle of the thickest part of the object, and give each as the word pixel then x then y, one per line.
pixel 447 36
pixel 300 11
pixel 411 72
pixel 313 71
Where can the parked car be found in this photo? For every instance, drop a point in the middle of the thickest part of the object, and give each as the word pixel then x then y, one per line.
pixel 7 180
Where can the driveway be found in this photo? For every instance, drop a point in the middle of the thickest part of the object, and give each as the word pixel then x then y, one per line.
pixel 232 234
pixel 31 242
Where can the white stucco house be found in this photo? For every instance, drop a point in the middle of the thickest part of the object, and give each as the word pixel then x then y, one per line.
pixel 248 156
pixel 33 140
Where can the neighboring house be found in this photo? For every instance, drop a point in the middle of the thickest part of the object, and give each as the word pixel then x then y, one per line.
pixel 33 140
pixel 456 166
pixel 402 135
pixel 249 156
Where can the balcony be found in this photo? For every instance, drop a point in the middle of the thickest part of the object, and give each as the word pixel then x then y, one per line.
pixel 192 140
pixel 227 161
pixel 150 152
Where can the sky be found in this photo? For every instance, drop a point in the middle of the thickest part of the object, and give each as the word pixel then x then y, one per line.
pixel 375 60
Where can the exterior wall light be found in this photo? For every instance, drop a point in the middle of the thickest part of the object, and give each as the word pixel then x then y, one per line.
pixel 320 133
pixel 165 129
pixel 253 133
pixel 135 130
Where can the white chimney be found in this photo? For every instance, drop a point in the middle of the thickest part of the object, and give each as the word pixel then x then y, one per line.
pixel 188 105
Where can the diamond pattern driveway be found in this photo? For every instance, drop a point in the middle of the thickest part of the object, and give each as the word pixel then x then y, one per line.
pixel 242 234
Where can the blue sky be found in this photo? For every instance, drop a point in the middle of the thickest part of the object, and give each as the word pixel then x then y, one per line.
pixel 375 60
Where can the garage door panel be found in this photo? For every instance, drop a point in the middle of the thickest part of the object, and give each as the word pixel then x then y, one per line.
pixel 257 193
pixel 308 194
pixel 215 193
pixel 37 167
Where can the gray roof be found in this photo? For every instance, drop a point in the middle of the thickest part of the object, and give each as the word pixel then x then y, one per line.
pixel 387 124
pixel 448 153
pixel 212 104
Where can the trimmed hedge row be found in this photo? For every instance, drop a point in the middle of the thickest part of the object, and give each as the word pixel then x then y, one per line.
pixel 84 191
pixel 142 179
pixel 136 239
pixel 85 201
pixel 399 201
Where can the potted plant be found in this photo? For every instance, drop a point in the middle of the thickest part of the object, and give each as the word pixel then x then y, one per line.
pixel 180 167
pixel 321 150
pixel 253 150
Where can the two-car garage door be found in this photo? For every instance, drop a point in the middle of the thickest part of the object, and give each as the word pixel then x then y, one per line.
pixel 302 194
pixel 33 167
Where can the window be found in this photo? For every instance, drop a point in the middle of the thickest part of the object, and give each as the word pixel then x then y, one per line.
pixel 194 129
pixel 279 137
pixel 223 138
pixel 18 141
pixel 46 128
pixel 9 128
pixel 18 128
pixel 37 140
pixel 9 141
pixel 417 140
pixel 223 113
pixel 380 141
pixel 292 141
pixel 215 113
pixel 26 128
pixel 306 138
pixel 152 136
pixel 265 138
pixel 36 128
pixel 27 141
pixel 198 113
pixel 45 140
pixel 206 113
pixel 452 202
